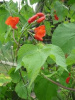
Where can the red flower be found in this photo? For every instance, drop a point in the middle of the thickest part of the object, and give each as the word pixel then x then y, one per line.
pixel 56 17
pixel 12 21
pixel 40 14
pixel 67 79
pixel 40 32
pixel 32 19
pixel 41 19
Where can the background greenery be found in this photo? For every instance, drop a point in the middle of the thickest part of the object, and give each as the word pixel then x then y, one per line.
pixel 31 70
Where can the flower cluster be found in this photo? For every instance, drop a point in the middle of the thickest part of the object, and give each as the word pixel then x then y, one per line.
pixel 40 32
pixel 39 17
pixel 12 21
pixel 68 78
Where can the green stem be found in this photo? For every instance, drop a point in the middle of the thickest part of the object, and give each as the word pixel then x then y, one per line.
pixel 14 38
pixel 32 36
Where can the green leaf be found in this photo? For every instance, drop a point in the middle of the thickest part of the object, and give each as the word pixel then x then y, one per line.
pixel 34 1
pixel 44 89
pixel 33 57
pixel 21 90
pixel 48 27
pixel 72 7
pixel 71 58
pixel 50 61
pixel 64 37
pixel 27 12
pixel 10 5
pixel 4 79
pixel 33 61
pixel 71 1
pixel 25 49
pixel 4 14
pixel 61 10
pixel 56 54
pixel 14 75
pixel 62 79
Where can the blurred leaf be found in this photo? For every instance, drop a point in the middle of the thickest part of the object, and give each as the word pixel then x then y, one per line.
pixel 44 89
pixel 50 61
pixel 15 76
pixel 62 79
pixel 26 11
pixel 64 37
pixel 71 1
pixel 4 14
pixel 29 54
pixel 71 58
pixel 72 7
pixel 21 90
pixel 61 10
pixel 34 1
pixel 10 5
pixel 4 79
pixel 48 27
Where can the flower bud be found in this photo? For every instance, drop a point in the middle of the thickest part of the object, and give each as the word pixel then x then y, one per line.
pixel 32 19
pixel 41 19
pixel 40 14
pixel 56 17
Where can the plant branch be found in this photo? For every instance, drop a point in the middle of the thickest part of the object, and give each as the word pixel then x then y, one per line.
pixel 71 89
pixel 14 38
pixel 8 63
pixel 32 36
pixel 4 59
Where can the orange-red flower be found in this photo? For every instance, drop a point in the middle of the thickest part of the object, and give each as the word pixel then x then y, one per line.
pixel 40 32
pixel 42 27
pixel 12 21
pixel 56 17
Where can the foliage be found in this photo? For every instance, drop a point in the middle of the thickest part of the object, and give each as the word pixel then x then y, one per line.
pixel 46 92
pixel 37 50
pixel 68 37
